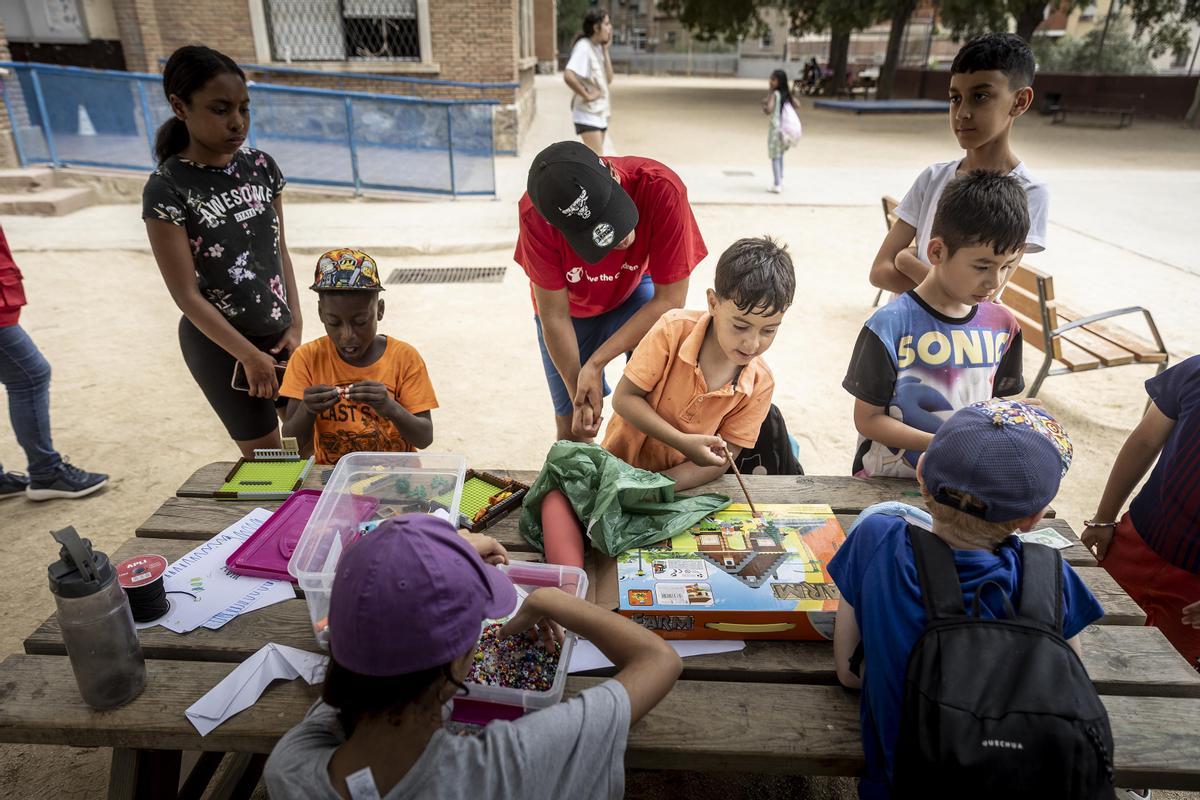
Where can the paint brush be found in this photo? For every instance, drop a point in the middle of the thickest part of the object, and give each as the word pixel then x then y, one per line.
pixel 737 474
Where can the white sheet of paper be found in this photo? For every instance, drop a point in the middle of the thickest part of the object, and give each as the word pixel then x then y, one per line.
pixel 586 656
pixel 266 594
pixel 241 688
pixel 214 588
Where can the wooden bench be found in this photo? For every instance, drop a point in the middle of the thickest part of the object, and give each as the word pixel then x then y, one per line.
pixel 1123 114
pixel 1078 341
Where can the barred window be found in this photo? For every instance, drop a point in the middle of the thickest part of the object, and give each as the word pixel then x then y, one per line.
pixel 343 30
pixel 525 28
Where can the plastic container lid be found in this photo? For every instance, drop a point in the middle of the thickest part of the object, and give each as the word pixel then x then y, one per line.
pixel 79 571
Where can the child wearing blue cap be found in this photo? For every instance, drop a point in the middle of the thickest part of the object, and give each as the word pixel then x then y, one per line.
pixel 991 470
pixel 406 611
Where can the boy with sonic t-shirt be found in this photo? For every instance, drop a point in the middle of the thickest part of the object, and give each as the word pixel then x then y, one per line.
pixel 990 86
pixel 943 345
pixel 696 390
pixel 992 469
pixel 353 389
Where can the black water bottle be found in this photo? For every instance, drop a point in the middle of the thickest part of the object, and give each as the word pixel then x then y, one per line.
pixel 96 624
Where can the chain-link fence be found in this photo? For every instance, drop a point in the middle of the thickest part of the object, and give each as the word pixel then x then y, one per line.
pixel 71 116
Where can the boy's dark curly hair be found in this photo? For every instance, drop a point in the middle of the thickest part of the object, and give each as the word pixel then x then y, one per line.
pixel 1005 52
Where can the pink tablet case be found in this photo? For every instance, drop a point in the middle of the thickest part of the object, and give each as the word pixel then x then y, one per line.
pixel 266 553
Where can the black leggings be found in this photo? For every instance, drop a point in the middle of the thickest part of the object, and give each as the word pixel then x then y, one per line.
pixel 245 417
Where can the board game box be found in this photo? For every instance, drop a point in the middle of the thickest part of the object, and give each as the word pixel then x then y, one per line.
pixel 735 576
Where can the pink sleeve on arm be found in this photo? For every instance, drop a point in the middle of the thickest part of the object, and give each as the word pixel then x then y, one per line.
pixel 740 426
pixel 651 357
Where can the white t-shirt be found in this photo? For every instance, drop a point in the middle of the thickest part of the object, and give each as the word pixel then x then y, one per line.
pixel 587 61
pixel 573 749
pixel 918 206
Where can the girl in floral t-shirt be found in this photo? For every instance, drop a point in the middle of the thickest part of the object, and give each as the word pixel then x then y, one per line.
pixel 214 215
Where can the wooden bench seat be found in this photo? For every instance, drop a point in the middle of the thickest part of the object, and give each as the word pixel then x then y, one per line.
pixel 772 728
pixel 1124 114
pixel 1078 341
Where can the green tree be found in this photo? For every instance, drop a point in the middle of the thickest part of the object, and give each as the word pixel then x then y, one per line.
pixel 569 14
pixel 1121 53
pixel 901 11
pixel 1165 24
pixel 967 18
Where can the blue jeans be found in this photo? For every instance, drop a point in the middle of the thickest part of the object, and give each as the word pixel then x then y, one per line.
pixel 777 170
pixel 25 373
pixel 590 333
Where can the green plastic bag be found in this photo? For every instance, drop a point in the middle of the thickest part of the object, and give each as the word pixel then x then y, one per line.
pixel 621 507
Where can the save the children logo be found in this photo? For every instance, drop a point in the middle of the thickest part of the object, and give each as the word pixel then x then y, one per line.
pixel 574 275
pixel 578 207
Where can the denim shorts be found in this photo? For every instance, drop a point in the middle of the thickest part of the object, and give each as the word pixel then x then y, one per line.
pixel 591 332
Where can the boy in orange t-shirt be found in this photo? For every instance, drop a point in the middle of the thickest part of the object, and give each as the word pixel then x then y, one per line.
pixel 353 389
pixel 696 390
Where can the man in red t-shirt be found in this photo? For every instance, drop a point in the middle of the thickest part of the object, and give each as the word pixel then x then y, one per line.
pixel 608 246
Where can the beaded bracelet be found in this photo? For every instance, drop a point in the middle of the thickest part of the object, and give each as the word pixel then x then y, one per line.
pixel 1091 523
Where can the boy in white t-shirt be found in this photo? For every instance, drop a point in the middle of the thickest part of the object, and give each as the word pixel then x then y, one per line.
pixel 588 72
pixel 990 86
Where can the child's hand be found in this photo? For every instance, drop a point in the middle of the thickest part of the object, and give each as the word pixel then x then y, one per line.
pixel 319 398
pixel 1191 615
pixel 488 548
pixel 704 451
pixel 531 616
pixel 373 393
pixel 1097 540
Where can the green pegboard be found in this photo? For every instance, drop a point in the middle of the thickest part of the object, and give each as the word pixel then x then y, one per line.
pixel 475 494
pixel 262 480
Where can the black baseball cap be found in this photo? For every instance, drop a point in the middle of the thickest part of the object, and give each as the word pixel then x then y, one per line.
pixel 573 190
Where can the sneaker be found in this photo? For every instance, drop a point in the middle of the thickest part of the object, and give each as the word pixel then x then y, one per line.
pixel 1133 794
pixel 68 481
pixel 12 484
pixel 775 189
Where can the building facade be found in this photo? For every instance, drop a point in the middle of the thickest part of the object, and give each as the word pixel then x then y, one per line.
pixel 488 48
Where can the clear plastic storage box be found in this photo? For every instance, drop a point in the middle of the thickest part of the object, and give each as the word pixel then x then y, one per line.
pixel 485 703
pixel 394 483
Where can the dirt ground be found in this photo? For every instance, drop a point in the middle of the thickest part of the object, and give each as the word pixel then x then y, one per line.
pixel 123 402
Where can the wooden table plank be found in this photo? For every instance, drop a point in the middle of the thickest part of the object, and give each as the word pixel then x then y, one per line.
pixel 1121 659
pixel 795 729
pixel 847 495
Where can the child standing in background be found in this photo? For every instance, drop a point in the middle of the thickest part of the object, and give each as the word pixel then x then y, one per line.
pixel 778 98
pixel 214 216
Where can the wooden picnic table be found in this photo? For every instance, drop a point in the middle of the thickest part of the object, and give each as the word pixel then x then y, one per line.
pixel 792 717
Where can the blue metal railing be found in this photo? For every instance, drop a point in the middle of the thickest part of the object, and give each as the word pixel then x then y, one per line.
pixel 73 116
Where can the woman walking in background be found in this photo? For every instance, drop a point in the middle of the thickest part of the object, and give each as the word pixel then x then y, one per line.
pixel 589 72
pixel 784 126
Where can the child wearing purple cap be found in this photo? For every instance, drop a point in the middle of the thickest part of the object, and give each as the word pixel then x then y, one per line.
pixel 406 611
pixel 976 503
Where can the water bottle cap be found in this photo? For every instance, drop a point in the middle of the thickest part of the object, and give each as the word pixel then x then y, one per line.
pixel 79 571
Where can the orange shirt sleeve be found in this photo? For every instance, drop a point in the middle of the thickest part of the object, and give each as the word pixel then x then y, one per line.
pixel 298 376
pixel 414 389
pixel 740 427
pixel 648 364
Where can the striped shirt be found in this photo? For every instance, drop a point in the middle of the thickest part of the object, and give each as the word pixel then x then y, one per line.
pixel 1166 512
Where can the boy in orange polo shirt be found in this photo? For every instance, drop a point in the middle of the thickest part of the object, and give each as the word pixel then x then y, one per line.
pixel 696 390
pixel 355 389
